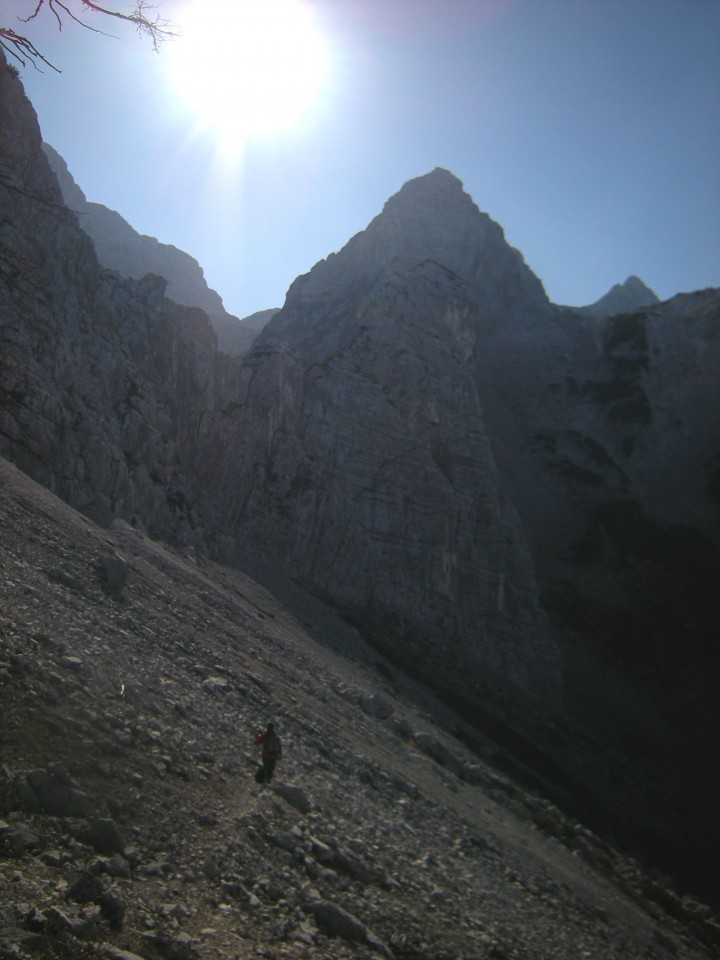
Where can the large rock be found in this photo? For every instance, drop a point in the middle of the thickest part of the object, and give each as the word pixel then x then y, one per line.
pixel 57 793
pixel 337 922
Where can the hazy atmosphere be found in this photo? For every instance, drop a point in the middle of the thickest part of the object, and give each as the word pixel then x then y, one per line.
pixel 589 131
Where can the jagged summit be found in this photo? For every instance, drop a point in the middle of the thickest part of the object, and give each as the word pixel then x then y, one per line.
pixel 120 247
pixel 431 219
pixel 432 216
pixel 437 177
pixel 437 181
pixel 634 284
pixel 623 297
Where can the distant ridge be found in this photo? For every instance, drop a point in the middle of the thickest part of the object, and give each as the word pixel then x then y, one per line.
pixel 120 247
pixel 622 298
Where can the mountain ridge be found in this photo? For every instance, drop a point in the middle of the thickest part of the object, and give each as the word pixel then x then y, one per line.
pixel 120 247
pixel 428 214
pixel 622 298
pixel 477 479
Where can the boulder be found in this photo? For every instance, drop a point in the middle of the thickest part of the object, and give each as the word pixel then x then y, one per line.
pixel 295 796
pixel 103 835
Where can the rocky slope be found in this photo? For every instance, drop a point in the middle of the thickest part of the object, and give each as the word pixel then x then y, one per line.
pixel 120 247
pixel 510 499
pixel 132 678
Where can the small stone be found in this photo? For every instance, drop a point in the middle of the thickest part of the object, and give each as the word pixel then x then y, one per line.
pixel 115 953
pixel 51 858
pixel 322 851
pixel 211 869
pixel 337 922
pixel 306 933
pixel 286 841
pixel 178 948
pixel 71 663
pixel 20 839
pixel 58 919
pixel 118 867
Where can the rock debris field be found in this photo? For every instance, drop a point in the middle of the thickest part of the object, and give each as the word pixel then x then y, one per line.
pixel 132 680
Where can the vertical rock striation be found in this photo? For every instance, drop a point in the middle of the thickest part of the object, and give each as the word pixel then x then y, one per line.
pixel 105 384
pixel 369 472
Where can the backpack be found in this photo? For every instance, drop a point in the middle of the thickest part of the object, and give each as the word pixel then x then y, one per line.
pixel 272 743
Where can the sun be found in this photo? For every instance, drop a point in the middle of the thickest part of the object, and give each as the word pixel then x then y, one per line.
pixel 248 69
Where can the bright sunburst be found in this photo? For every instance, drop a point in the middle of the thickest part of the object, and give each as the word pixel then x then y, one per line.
pixel 248 68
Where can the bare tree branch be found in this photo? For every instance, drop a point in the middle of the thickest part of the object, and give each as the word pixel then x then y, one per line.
pixel 17 46
pixel 20 47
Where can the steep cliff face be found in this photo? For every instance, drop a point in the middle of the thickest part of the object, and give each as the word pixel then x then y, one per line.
pixel 120 247
pixel 105 384
pixel 369 470
pixel 515 500
pixel 606 432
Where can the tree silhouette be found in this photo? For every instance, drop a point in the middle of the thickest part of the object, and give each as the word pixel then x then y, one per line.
pixel 22 49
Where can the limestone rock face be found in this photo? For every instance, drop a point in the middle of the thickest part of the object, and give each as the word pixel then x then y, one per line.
pixel 120 247
pixel 369 473
pixel 235 337
pixel 606 432
pixel 105 384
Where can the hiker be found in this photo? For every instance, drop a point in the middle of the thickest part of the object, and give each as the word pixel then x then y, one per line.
pixel 271 752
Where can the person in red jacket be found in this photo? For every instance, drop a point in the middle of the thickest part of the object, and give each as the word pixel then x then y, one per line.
pixel 271 752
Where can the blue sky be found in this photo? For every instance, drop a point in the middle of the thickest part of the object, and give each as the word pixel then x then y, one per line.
pixel 589 130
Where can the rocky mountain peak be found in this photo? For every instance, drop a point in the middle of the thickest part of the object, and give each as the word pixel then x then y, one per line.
pixel 432 197
pixel 637 286
pixel 622 298
pixel 73 195
pixel 431 223
pixel 431 217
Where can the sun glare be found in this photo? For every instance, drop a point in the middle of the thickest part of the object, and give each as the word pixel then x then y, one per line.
pixel 248 69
